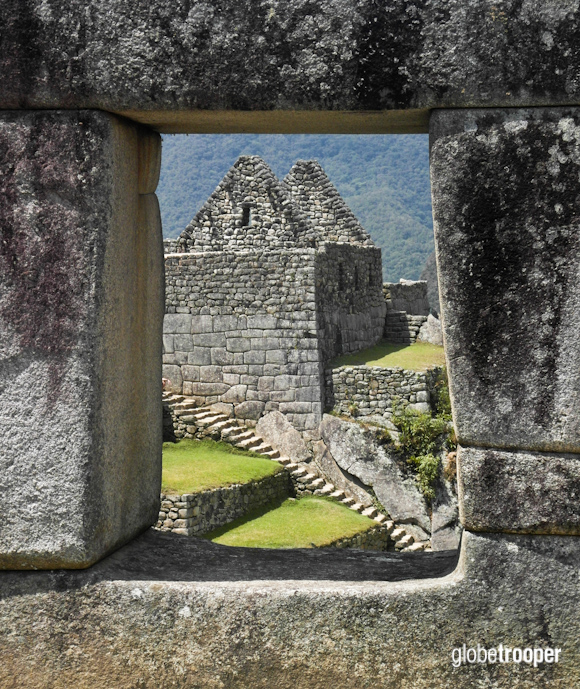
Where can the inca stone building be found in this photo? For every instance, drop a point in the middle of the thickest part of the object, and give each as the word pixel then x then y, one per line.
pixel 272 279
pixel 86 87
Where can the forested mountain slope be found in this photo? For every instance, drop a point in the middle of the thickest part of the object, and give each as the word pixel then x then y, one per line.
pixel 384 179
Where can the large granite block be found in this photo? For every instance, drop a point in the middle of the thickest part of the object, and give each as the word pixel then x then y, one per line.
pixel 81 308
pixel 519 492
pixel 506 204
pixel 174 65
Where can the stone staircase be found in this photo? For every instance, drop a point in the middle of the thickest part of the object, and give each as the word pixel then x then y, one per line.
pixel 191 421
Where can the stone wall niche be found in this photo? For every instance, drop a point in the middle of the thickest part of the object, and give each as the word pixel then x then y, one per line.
pixel 81 308
pixel 506 204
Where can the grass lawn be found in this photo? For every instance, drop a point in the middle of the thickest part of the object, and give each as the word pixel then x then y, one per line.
pixel 191 466
pixel 293 524
pixel 416 357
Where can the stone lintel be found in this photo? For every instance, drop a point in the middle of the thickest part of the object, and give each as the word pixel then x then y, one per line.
pixel 519 492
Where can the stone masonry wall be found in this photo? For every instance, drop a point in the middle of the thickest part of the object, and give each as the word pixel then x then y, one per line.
pixel 240 329
pixel 349 298
pixel 198 513
pixel 407 309
pixel 375 538
pixel 370 391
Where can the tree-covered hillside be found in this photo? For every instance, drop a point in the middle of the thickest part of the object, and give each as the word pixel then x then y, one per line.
pixel 384 179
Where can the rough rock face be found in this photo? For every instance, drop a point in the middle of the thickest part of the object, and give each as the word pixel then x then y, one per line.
pixel 506 209
pixel 445 526
pixel 356 451
pixel 170 609
pixel 340 478
pixel 81 308
pixel 431 331
pixel 519 492
pixel 332 55
pixel 278 432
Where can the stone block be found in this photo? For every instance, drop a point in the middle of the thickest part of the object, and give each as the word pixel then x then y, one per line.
pixel 223 323
pixel 209 340
pixel 210 374
pixel 173 373
pixel 205 389
pixel 81 320
pixel 249 410
pixel 238 344
pixel 183 343
pixel 168 344
pixel 190 373
pixel 176 323
pixel 255 357
pixel 221 357
pixel 201 324
pixel 265 322
pixel 201 356
pixel 276 356
pixel 509 258
pixel 235 394
pixel 519 492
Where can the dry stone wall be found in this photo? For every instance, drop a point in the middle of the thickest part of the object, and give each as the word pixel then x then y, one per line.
pixel 198 513
pixel 375 538
pixel 369 392
pixel 407 309
pixel 350 304
pixel 241 329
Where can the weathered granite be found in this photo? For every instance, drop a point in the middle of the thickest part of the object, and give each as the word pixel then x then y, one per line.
pixel 81 307
pixel 445 523
pixel 340 479
pixel 175 64
pixel 505 204
pixel 431 331
pixel 519 492
pixel 279 433
pixel 168 609
pixel 356 450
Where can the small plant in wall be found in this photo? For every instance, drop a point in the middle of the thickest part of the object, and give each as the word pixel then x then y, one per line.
pixel 424 437
pixel 353 409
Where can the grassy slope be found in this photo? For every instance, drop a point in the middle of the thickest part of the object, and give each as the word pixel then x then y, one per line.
pixel 384 179
pixel 191 466
pixel 293 524
pixel 416 357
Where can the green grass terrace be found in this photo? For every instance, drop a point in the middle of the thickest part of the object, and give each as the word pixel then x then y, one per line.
pixel 306 523
pixel 420 356
pixel 192 466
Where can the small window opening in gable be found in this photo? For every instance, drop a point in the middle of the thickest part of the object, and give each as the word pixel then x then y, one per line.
pixel 246 216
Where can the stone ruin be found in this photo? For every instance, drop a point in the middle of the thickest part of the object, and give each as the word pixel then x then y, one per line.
pixel 272 280
pixel 85 88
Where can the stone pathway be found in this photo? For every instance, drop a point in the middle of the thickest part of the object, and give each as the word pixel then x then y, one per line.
pixel 191 421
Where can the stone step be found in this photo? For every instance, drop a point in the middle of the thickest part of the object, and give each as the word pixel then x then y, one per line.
pixel 292 466
pixel 173 399
pixel 348 501
pixel 326 489
pixel 184 405
pixel 338 494
pixel 211 420
pixel 273 454
pixel 233 431
pixel 404 542
pixel 262 449
pixel 286 461
pixel 242 434
pixel 307 478
pixel 317 483
pixel 221 426
pixel 369 512
pixel 197 412
pixel 249 443
pixel 418 546
pixel 299 472
pixel 357 507
pixel 398 534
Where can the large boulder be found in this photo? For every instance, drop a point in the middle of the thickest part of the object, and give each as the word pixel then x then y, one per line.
pixel 340 478
pixel 445 525
pixel 276 430
pixel 431 331
pixel 356 450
